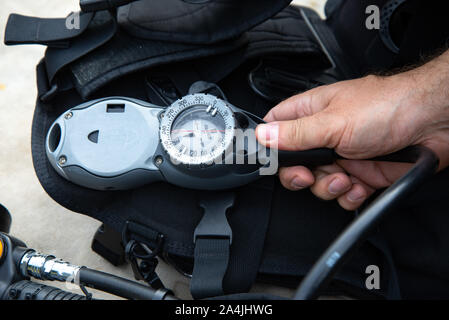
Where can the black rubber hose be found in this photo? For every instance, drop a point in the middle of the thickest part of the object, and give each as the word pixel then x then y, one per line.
pixel 308 158
pixel 354 235
pixel 324 156
pixel 28 290
pixel 119 286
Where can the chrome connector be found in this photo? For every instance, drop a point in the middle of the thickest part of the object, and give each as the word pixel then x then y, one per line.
pixel 47 267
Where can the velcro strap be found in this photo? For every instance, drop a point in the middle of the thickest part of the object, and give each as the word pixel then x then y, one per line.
pixel 52 32
pixel 132 54
pixel 139 232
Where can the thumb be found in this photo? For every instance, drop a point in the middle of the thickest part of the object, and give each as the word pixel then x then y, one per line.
pixel 302 105
pixel 300 134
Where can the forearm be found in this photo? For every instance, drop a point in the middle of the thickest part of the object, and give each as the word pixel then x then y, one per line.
pixel 427 90
pixel 425 105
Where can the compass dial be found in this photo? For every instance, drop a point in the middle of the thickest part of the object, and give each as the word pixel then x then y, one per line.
pixel 197 129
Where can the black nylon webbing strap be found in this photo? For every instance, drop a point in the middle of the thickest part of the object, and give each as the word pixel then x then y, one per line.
pixel 211 263
pixel 52 32
pixel 329 44
pixel 212 238
pixel 139 232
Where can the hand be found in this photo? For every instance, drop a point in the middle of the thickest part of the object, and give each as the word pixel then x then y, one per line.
pixel 361 119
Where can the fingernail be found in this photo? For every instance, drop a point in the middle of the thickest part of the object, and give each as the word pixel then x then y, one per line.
pixel 356 195
pixel 268 133
pixel 337 186
pixel 297 184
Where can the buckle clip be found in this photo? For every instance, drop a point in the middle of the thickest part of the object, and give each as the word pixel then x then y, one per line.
pixel 143 260
pixel 214 223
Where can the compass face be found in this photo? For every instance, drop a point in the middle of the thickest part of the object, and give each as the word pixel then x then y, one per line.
pixel 197 129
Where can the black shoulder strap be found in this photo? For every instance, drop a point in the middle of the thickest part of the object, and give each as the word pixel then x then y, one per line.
pixel 66 43
pixel 212 238
pixel 51 32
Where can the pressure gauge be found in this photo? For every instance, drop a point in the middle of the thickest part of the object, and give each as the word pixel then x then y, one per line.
pixel 197 129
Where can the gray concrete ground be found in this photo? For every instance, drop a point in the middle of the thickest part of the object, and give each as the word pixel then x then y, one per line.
pixel 37 219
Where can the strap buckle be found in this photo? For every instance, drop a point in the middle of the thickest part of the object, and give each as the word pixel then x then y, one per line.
pixel 143 260
pixel 212 238
pixel 146 268
pixel 214 223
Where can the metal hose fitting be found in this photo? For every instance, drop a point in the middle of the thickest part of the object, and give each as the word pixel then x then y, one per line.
pixel 47 267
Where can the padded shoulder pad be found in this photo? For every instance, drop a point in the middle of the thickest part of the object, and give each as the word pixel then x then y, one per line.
pixel 195 21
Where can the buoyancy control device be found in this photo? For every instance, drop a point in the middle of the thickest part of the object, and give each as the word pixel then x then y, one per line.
pixel 250 54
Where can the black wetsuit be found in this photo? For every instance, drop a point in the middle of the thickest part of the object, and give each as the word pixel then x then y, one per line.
pixel 417 27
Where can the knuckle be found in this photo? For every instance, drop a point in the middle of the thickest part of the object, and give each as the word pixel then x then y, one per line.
pixel 304 104
pixel 295 132
pixel 337 130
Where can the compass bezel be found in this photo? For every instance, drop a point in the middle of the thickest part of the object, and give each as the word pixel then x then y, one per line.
pixel 220 107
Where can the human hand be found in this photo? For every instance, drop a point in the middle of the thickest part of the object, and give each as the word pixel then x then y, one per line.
pixel 361 119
